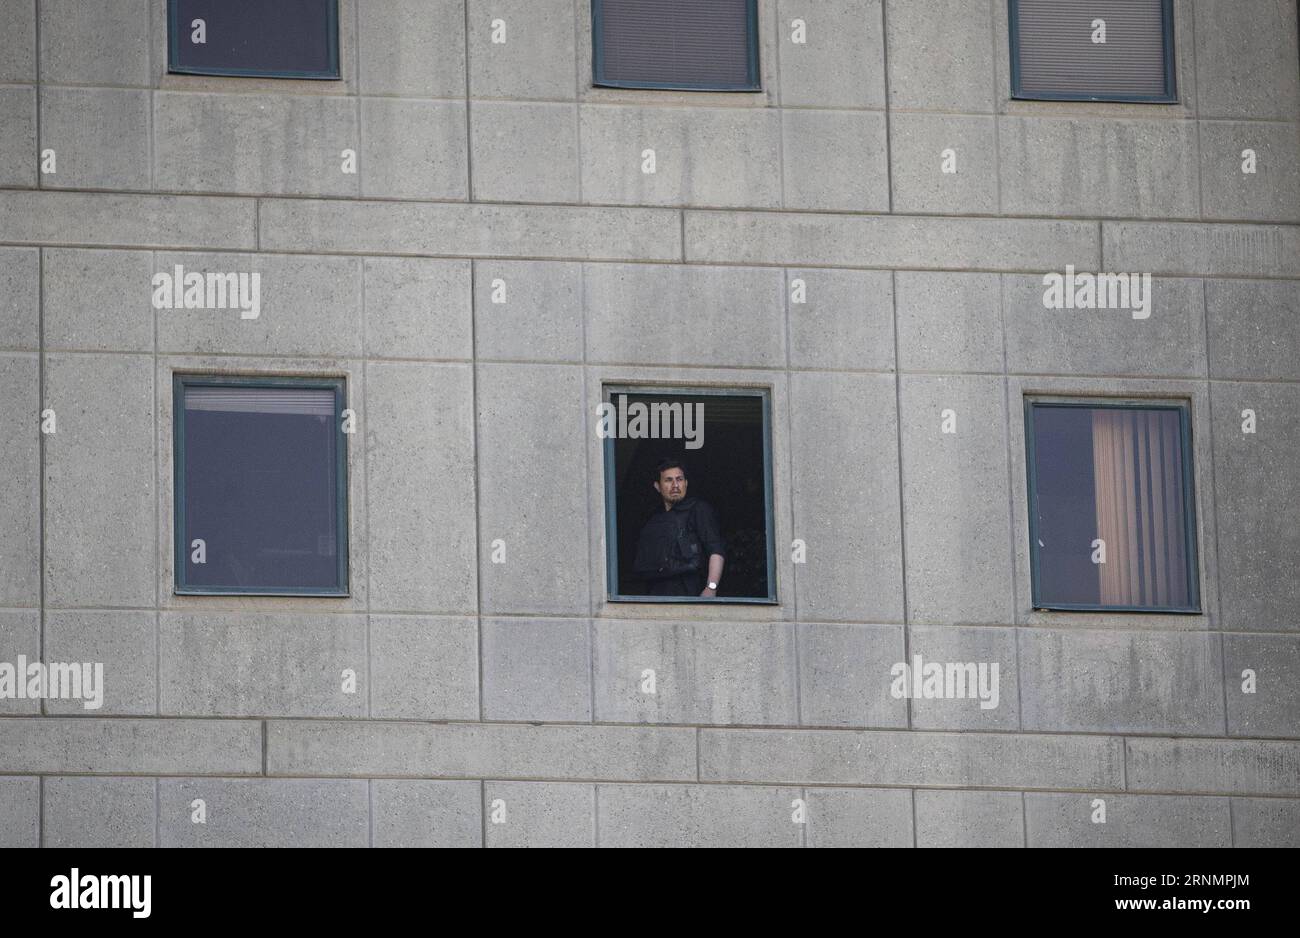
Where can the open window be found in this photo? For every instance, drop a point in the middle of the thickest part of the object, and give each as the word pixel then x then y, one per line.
pixel 678 44
pixel 688 479
pixel 1093 50
pixel 280 39
pixel 260 485
pixel 1112 523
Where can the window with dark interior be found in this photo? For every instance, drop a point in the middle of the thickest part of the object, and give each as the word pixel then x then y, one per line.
pixel 695 45
pixel 688 494
pixel 260 485
pixel 280 39
pixel 1111 516
pixel 1093 50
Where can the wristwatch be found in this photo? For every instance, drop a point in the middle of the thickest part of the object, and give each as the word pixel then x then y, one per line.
pixel 713 586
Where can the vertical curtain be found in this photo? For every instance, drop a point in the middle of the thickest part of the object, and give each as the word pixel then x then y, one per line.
pixel 1137 464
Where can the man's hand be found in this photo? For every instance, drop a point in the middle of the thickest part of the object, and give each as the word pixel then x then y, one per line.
pixel 709 592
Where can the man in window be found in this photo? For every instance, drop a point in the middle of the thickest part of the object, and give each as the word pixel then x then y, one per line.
pixel 680 551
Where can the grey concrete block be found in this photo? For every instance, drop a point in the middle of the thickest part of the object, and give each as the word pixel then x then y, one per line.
pixel 536 670
pixel 20 810
pixel 1250 326
pixel 949 322
pixel 1214 766
pixel 843 675
pixel 90 746
pixel 941 55
pixel 1243 48
pixel 414 48
pixel 835 161
pixel 467 230
pixel 88 218
pixel 20 496
pixel 1201 250
pixel 536 60
pixel 20 635
pixel 1060 820
pixel 528 310
pixel 708 672
pixel 417 308
pixel 992 703
pixel 95 43
pixel 524 152
pixel 1170 342
pixel 423 668
pixel 100 137
pixel 889 242
pixel 1271 192
pixel 947 760
pixel 1256 478
pixel 840 63
pixel 19 303
pixel 539 814
pixel 19 158
pixel 419 813
pixel 703 156
pixel 861 817
pixel 1125 169
pixel 99 300
pixel 844 322
pixel 263 812
pixel 1272 705
pixel 944 165
pixel 123 642
pixel 696 816
pixel 99 481
pixel 1098 680
pixel 1265 822
pixel 414 149
pixel 845 498
pixel 715 316
pixel 532 430
pixel 261 665
pixel 255 143
pixel 955 495
pixel 969 819
pixel 18 40
pixel 99 812
pixel 476 750
pixel 419 432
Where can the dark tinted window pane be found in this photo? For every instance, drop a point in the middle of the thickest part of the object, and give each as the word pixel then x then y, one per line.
pixel 1115 475
pixel 675 43
pixel 1059 57
pixel 288 38
pixel 726 474
pixel 261 488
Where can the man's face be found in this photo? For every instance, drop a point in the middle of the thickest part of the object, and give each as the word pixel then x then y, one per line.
pixel 671 486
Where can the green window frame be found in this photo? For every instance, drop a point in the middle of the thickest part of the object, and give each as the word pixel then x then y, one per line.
pixel 1192 572
pixel 752 83
pixel 175 29
pixel 181 382
pixel 609 392
pixel 1169 96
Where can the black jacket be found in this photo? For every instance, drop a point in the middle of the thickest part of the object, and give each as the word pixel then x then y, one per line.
pixel 679 541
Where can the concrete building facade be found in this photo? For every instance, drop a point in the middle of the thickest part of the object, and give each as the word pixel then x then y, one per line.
pixel 501 701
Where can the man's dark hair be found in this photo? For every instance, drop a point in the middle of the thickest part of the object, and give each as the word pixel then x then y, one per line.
pixel 669 463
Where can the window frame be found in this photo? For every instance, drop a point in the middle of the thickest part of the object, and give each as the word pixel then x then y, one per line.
pixel 333 73
pixel 1170 96
pixel 753 84
pixel 1184 409
pixel 180 549
pixel 608 392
